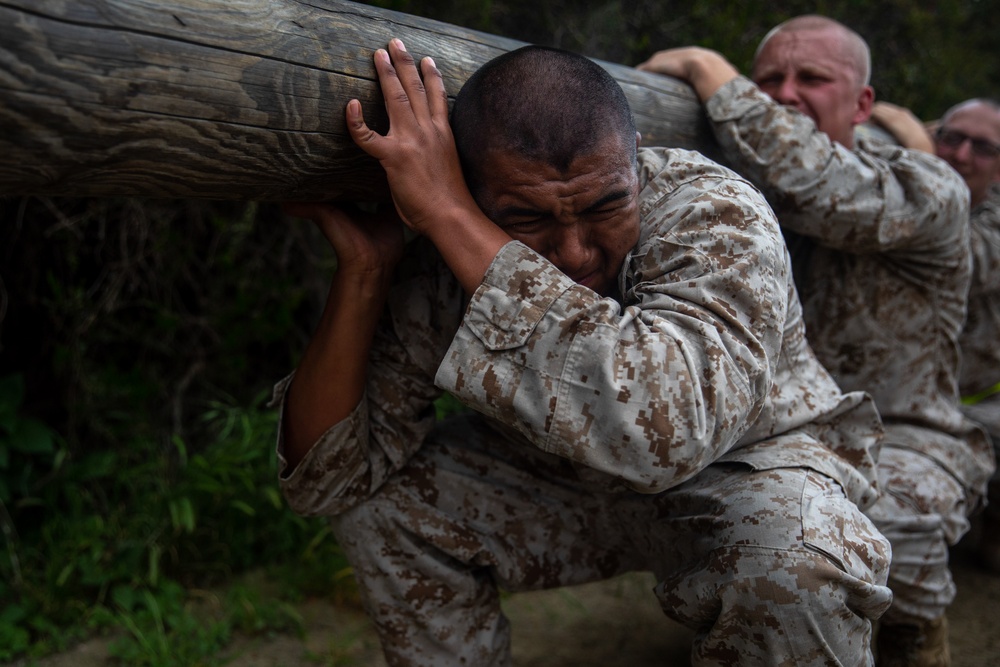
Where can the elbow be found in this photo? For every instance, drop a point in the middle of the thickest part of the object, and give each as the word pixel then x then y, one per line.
pixel 659 475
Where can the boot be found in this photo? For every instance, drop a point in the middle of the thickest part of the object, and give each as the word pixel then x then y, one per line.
pixel 922 644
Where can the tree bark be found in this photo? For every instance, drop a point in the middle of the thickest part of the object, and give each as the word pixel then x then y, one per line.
pixel 232 99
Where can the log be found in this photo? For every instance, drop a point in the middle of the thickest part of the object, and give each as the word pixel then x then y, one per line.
pixel 232 99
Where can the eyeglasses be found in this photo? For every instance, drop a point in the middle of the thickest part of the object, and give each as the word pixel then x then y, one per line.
pixel 980 147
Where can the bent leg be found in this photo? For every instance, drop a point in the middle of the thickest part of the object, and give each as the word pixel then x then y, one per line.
pixel 922 511
pixel 785 570
pixel 469 512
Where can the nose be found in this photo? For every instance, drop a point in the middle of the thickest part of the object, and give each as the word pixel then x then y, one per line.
pixel 787 93
pixel 572 251
pixel 963 151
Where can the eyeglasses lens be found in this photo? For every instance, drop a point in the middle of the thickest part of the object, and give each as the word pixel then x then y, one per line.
pixel 980 147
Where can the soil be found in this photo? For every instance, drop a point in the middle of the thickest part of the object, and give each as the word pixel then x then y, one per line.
pixel 615 623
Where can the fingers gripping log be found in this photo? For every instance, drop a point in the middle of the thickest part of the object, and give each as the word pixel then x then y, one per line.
pixel 231 99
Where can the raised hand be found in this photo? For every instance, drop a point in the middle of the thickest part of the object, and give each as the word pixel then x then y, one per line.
pixel 368 245
pixel 900 122
pixel 704 69
pixel 418 153
pixel 421 164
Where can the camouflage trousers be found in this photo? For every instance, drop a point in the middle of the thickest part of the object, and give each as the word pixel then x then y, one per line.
pixel 922 510
pixel 770 567
pixel 987 414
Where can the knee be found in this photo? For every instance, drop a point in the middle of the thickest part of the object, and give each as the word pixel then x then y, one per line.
pixel 776 606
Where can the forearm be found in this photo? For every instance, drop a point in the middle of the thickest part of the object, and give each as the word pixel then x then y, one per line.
pixel 875 199
pixel 468 242
pixel 330 379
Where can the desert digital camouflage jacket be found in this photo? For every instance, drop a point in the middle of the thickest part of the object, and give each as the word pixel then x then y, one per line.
pixel 703 358
pixel 981 337
pixel 880 249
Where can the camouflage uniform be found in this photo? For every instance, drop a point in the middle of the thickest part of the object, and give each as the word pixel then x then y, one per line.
pixel 881 258
pixel 980 351
pixel 980 347
pixel 687 430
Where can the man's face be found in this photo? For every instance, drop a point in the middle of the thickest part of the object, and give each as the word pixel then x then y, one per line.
pixel 584 221
pixel 812 71
pixel 967 140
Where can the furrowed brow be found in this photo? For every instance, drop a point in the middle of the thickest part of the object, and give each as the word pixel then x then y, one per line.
pixel 607 199
pixel 517 212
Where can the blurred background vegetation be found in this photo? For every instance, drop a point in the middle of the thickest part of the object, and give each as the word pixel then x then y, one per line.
pixel 139 340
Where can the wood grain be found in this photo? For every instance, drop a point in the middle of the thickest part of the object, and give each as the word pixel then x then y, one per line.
pixel 231 99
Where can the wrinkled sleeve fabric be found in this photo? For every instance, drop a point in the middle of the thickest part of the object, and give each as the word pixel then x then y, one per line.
pixel 898 200
pixel 653 391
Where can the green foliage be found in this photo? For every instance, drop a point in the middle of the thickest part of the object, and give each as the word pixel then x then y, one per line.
pixel 217 514
pixel 447 405
pixel 128 477
pixel 162 632
pixel 926 56
pixel 29 449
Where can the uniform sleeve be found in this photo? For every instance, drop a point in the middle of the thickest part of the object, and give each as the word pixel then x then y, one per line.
pixel 652 392
pixel 985 243
pixel 888 199
pixel 353 458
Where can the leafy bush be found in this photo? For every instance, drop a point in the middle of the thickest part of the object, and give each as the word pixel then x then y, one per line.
pixel 136 453
pixel 219 513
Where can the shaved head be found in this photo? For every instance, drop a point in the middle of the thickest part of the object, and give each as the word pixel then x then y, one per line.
pixel 854 48
pixel 548 105
pixel 988 103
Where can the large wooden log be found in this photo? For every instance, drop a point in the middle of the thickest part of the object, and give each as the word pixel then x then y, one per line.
pixel 231 99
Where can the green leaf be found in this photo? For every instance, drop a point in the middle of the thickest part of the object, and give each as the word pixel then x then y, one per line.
pixel 64 574
pixel 154 565
pixel 96 466
pixel 13 613
pixel 181 449
pixel 11 391
pixel 182 514
pixel 124 596
pixel 11 397
pixel 274 497
pixel 243 507
pixel 32 437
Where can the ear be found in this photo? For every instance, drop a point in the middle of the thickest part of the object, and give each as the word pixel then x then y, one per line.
pixel 866 100
pixel 638 139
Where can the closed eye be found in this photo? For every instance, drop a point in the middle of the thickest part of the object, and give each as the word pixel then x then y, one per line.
pixel 813 78
pixel 609 204
pixel 771 80
pixel 523 226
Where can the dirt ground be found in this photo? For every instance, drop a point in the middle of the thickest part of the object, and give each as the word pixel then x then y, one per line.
pixel 615 623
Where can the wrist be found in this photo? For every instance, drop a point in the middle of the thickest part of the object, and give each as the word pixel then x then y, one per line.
pixel 709 72
pixel 468 242
pixel 357 283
